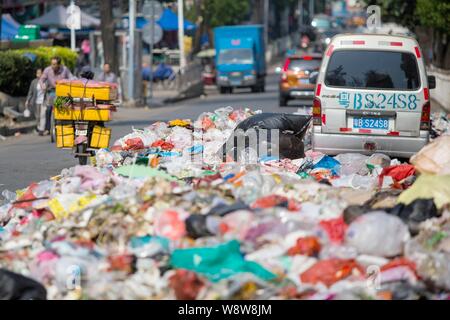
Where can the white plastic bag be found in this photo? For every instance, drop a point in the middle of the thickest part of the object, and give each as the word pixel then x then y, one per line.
pixel 378 233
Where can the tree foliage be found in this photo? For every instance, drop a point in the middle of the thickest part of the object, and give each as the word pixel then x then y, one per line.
pixel 434 14
pixel 400 11
pixel 225 12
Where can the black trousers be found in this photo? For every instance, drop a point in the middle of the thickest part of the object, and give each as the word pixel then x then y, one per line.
pixel 48 117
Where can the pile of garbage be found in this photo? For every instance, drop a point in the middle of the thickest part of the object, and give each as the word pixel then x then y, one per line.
pixel 160 215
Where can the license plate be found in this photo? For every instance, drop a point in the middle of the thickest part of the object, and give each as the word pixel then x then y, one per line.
pixel 81 132
pixel 304 81
pixel 235 74
pixel 371 123
pixel 235 83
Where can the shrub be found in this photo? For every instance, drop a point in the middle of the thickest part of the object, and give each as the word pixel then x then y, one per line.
pixel 18 67
pixel 16 72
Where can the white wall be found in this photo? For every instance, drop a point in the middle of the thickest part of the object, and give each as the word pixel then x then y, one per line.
pixel 442 92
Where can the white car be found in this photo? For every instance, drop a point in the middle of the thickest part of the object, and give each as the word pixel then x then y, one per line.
pixel 372 94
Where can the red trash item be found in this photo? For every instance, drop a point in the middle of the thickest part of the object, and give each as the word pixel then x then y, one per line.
pixel 268 202
pixel 335 229
pixel 207 123
pixel 167 146
pixel 134 144
pixel 123 262
pixel 309 246
pixel 185 284
pixel 26 200
pixel 170 224
pixel 399 262
pixel 398 173
pixel 330 271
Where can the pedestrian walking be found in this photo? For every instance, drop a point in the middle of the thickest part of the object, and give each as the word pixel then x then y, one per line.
pixel 56 71
pixel 107 75
pixel 35 102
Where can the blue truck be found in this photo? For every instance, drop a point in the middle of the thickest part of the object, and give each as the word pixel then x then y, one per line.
pixel 240 57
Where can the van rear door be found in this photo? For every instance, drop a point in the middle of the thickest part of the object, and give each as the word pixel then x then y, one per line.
pixel 369 91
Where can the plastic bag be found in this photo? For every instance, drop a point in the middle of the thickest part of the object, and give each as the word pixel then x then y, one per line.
pixel 398 173
pixel 296 124
pixel 352 163
pixel 430 251
pixel 16 287
pixel 292 129
pixel 309 246
pixel 217 263
pixel 355 181
pixel 378 233
pixel 434 158
pixel 378 160
pixel 186 284
pixel 428 187
pixel 329 163
pixel 414 213
pixel 331 271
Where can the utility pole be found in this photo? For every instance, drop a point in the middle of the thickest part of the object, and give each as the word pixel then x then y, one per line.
pixel 311 10
pixel 1 18
pixel 300 12
pixel 72 28
pixel 152 47
pixel 181 35
pixel 131 41
pixel 266 22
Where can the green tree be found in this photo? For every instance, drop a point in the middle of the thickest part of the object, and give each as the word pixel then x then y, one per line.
pixel 209 14
pixel 435 14
pixel 399 11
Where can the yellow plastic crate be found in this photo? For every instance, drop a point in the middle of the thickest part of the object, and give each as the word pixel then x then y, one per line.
pixel 86 114
pixel 78 89
pixel 100 137
pixel 65 136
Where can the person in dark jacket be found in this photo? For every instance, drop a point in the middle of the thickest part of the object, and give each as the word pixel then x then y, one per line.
pixel 35 100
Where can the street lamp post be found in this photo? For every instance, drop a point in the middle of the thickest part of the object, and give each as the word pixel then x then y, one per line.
pixel 72 28
pixel 181 35
pixel 131 38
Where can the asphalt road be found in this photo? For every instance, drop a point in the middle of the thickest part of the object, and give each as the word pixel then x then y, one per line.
pixel 29 158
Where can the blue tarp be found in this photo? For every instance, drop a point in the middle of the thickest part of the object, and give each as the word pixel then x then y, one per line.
pixel 10 27
pixel 169 21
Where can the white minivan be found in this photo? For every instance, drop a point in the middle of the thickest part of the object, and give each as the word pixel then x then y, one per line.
pixel 372 95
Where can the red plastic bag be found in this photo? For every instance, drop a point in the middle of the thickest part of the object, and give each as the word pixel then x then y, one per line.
pixel 309 246
pixel 185 284
pixel 207 123
pixel 399 262
pixel 134 144
pixel 331 271
pixel 335 229
pixel 398 174
pixel 268 202
pixel 170 224
pixel 26 200
pixel 163 145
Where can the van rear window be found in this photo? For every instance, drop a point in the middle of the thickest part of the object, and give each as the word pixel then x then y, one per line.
pixel 303 65
pixel 365 69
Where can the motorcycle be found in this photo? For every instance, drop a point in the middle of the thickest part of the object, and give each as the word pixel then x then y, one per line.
pixel 83 129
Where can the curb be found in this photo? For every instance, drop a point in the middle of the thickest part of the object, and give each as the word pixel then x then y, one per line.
pixel 8 132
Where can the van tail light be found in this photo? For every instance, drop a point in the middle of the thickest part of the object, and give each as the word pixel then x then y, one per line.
pixel 286 64
pixel 425 118
pixel 317 112
pixel 417 52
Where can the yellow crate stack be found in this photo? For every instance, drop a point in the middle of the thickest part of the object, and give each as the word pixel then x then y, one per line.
pixel 89 92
